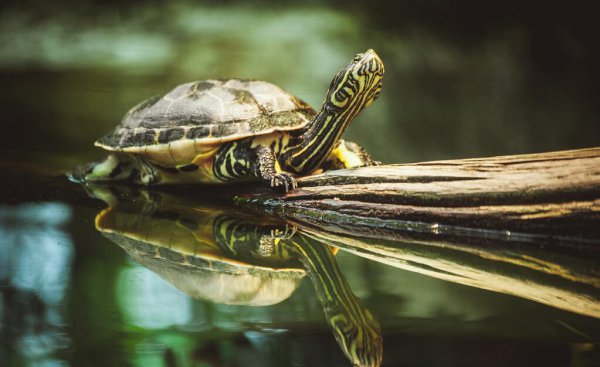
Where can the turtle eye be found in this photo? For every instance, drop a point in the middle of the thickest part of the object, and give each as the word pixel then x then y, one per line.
pixel 357 57
pixel 341 95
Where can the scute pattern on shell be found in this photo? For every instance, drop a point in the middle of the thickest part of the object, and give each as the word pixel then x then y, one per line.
pixel 211 110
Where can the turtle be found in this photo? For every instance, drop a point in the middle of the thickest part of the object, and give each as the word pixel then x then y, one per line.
pixel 228 130
pixel 220 254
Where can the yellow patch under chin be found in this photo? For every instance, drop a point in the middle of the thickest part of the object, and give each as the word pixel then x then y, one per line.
pixel 346 157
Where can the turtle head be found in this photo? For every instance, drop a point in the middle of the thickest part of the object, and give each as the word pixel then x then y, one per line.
pixel 357 84
pixel 114 168
pixel 353 88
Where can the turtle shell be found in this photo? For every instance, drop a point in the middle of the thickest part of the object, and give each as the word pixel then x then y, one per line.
pixel 179 245
pixel 208 112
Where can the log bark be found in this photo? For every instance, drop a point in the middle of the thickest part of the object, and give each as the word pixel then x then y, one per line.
pixel 525 225
pixel 556 193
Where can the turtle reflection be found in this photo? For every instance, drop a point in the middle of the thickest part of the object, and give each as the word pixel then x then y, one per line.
pixel 213 254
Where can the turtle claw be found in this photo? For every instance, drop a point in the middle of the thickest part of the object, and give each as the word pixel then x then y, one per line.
pixel 268 242
pixel 286 233
pixel 283 181
pixel 266 246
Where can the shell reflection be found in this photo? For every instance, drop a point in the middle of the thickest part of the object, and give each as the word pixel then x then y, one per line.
pixel 213 253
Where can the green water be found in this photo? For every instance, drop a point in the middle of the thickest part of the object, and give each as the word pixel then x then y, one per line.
pixel 72 295
pixel 461 80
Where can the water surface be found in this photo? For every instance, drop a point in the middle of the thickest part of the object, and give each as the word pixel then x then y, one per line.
pixel 458 84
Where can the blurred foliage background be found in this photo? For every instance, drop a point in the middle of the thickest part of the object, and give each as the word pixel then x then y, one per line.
pixel 463 78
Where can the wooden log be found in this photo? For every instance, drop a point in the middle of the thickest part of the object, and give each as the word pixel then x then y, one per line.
pixel 556 193
pixel 525 225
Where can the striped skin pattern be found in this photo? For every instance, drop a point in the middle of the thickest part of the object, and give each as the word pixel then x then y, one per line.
pixel 164 227
pixel 239 159
pixel 355 329
pixel 258 244
pixel 228 130
pixel 353 88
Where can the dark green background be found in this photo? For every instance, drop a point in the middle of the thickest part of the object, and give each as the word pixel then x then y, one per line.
pixel 463 79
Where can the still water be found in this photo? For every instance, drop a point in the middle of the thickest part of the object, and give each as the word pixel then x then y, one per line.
pixel 121 276
pixel 136 277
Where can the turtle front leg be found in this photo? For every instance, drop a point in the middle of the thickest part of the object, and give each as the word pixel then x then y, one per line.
pixel 348 154
pixel 238 160
pixel 267 168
